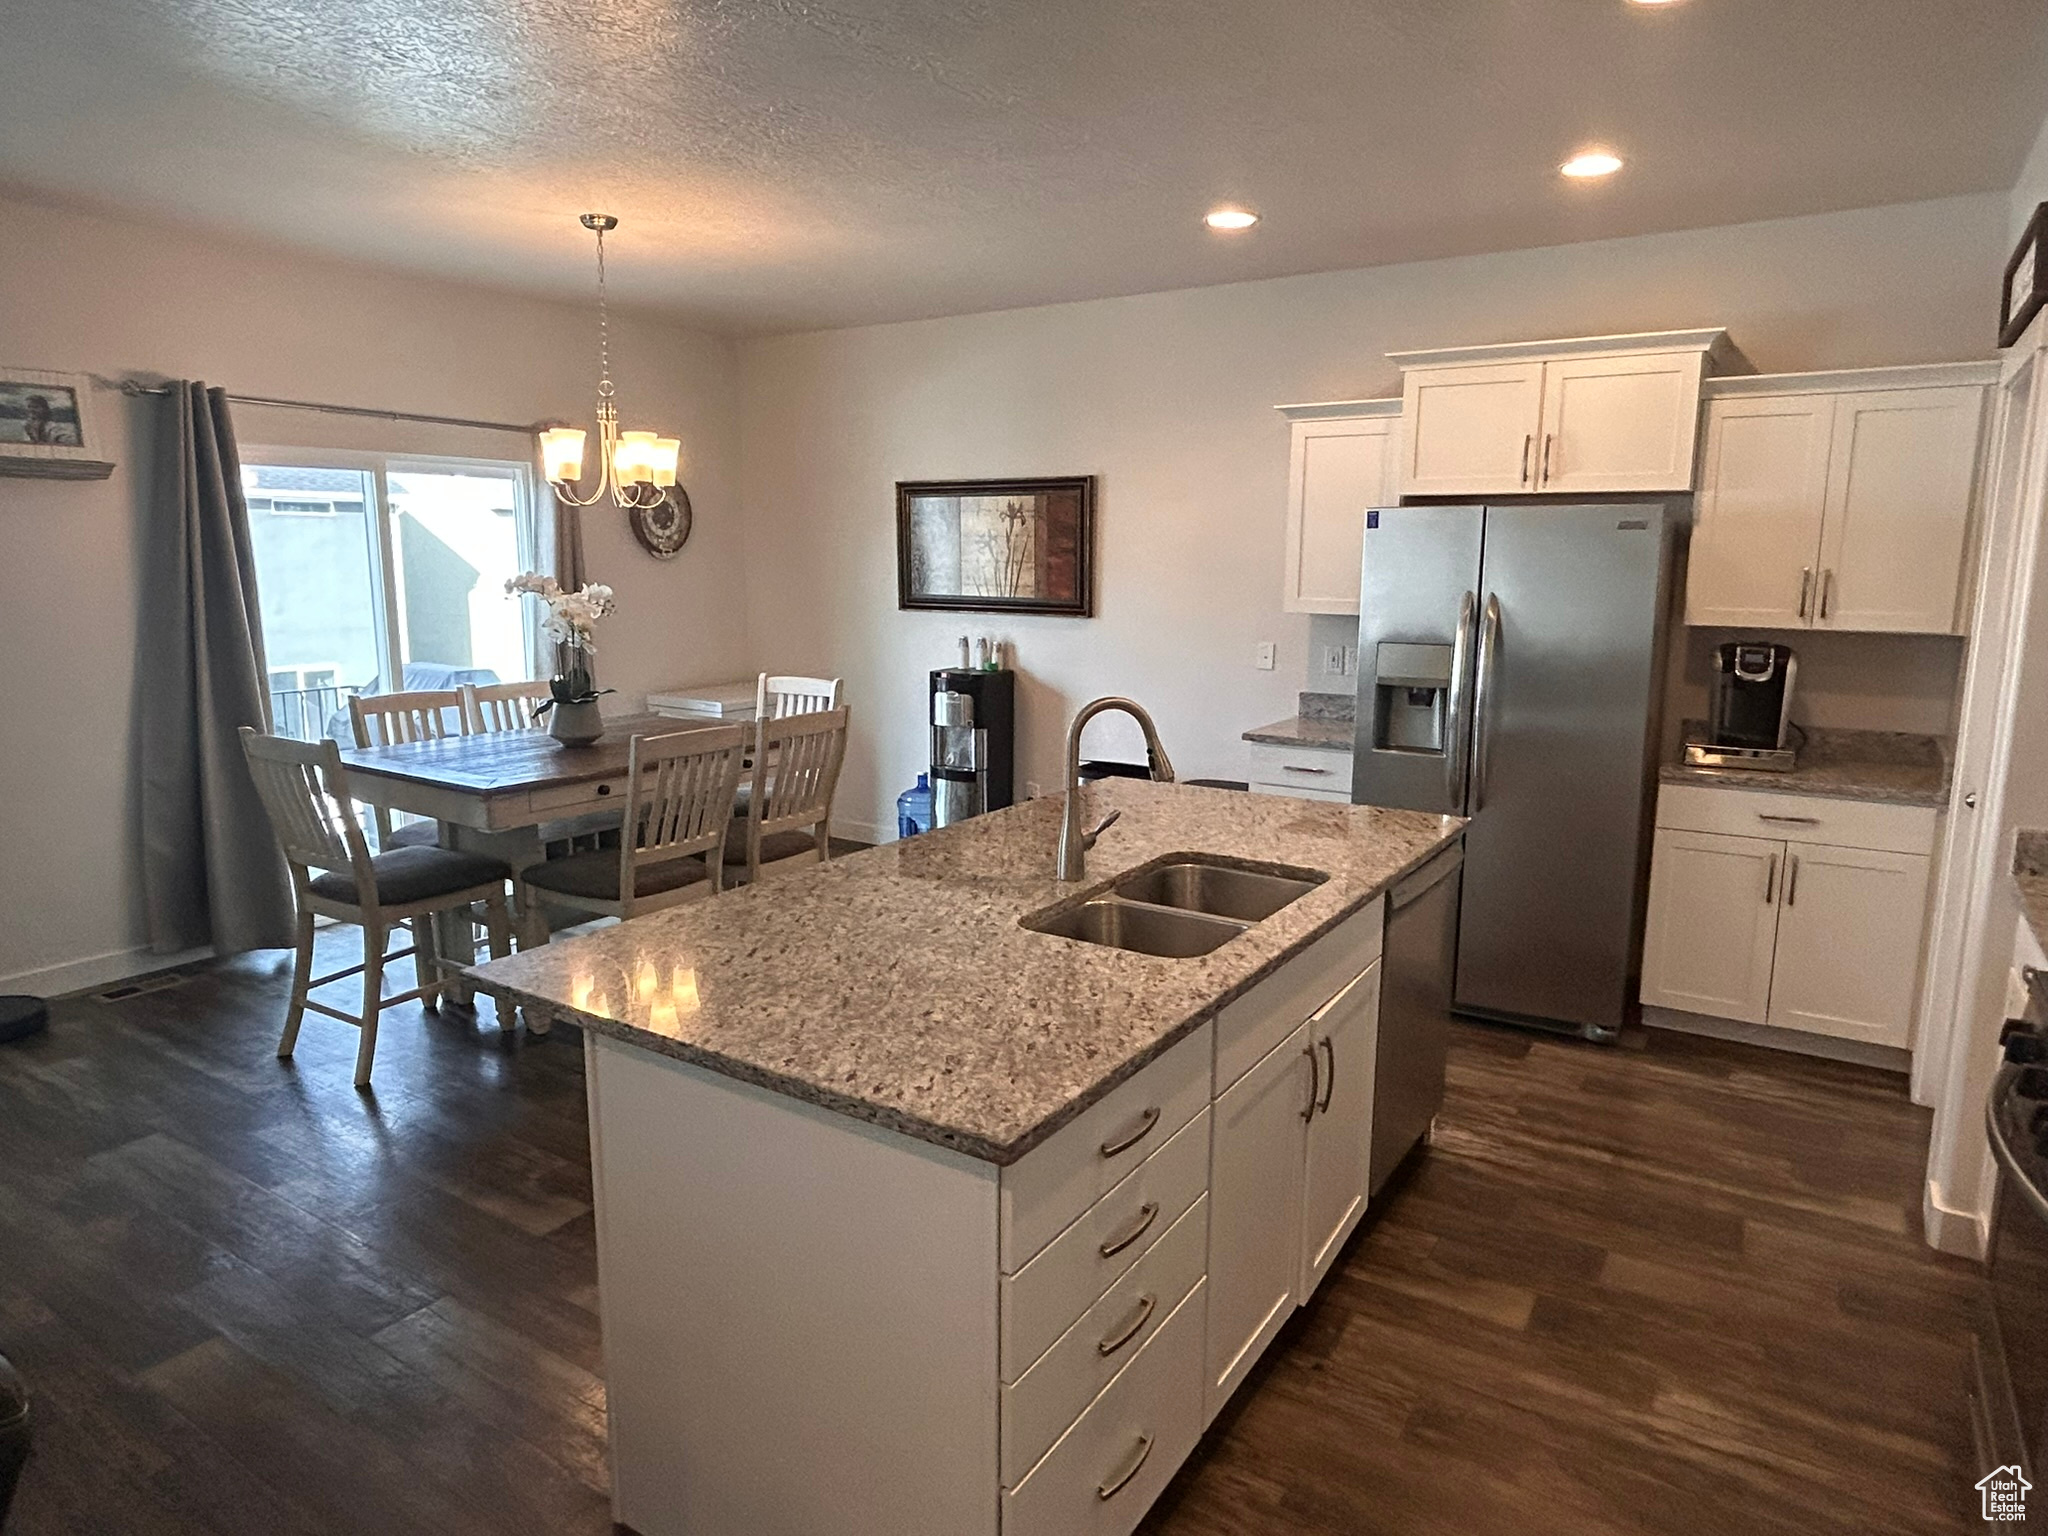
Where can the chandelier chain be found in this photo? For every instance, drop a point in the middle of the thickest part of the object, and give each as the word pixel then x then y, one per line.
pixel 604 334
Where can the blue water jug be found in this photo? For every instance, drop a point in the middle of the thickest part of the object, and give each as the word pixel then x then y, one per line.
pixel 914 808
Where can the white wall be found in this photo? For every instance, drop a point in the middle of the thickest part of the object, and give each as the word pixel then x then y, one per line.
pixel 1169 398
pixel 84 293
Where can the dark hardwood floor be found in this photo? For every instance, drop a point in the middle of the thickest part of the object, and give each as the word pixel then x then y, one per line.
pixel 1675 1287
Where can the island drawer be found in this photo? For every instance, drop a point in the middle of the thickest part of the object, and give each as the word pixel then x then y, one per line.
pixel 1796 818
pixel 1052 1394
pixel 1106 1471
pixel 1041 1301
pixel 1250 1026
pixel 1056 1181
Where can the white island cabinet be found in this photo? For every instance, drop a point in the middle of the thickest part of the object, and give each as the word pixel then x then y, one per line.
pixel 815 1324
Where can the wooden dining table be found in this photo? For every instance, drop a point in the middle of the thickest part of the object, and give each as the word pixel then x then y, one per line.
pixel 492 793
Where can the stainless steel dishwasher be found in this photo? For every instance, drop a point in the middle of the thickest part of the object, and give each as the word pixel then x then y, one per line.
pixel 1417 975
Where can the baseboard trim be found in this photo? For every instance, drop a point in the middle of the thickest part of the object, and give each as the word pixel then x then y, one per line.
pixel 96 971
pixel 1798 1042
pixel 1964 1233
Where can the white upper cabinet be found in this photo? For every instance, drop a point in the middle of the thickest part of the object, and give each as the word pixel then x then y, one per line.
pixel 1900 480
pixel 1607 413
pixel 1838 501
pixel 1344 458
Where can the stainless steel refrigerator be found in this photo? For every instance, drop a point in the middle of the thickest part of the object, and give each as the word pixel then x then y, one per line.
pixel 1510 663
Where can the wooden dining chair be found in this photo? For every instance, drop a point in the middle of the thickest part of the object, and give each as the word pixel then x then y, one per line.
pixel 672 842
pixel 786 813
pixel 775 696
pixel 334 874
pixel 385 719
pixel 488 708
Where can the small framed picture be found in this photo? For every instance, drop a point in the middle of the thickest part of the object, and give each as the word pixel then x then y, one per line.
pixel 2026 280
pixel 48 426
pixel 996 546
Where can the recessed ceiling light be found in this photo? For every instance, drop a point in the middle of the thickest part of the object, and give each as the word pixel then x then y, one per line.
pixel 1653 4
pixel 1589 163
pixel 1230 218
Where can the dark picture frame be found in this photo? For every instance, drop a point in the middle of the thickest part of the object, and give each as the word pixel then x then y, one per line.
pixel 997 546
pixel 2025 287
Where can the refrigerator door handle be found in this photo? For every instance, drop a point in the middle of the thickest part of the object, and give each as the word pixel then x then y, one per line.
pixel 1458 722
pixel 1482 703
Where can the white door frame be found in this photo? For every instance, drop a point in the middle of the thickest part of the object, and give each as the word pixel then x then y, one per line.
pixel 1970 940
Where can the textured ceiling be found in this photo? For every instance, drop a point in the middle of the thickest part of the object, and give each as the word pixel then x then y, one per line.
pixel 780 164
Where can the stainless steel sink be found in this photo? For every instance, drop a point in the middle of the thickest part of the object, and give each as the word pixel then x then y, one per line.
pixel 1145 929
pixel 1211 886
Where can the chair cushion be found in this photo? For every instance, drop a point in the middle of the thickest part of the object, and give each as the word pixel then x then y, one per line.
pixel 407 875
pixel 595 874
pixel 415 834
pixel 776 845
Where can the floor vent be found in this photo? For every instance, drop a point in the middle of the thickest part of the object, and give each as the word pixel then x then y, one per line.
pixel 162 981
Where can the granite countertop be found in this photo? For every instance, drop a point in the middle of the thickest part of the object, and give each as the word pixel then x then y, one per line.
pixel 895 985
pixel 1889 767
pixel 1320 720
pixel 2030 874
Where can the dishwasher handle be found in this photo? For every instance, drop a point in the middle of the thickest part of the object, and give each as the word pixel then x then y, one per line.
pixel 1426 879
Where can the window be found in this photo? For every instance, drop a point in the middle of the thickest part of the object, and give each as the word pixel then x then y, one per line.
pixel 377 574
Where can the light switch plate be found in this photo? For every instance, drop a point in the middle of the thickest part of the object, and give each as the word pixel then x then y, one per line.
pixel 1262 656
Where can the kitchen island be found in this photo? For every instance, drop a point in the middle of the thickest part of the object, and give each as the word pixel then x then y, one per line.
pixel 911 1218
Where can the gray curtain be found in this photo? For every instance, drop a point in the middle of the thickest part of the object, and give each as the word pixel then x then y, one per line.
pixel 212 871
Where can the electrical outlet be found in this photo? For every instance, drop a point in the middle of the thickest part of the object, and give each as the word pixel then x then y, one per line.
pixel 1031 789
pixel 1262 656
pixel 1334 661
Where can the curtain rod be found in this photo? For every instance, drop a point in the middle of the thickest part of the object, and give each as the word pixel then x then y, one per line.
pixel 134 388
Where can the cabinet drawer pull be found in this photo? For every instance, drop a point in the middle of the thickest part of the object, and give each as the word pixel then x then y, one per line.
pixel 1330 1085
pixel 604 789
pixel 1547 440
pixel 1790 821
pixel 1805 588
pixel 1147 1214
pixel 1315 1080
pixel 1149 1119
pixel 1132 1329
pixel 1792 880
pixel 1770 880
pixel 1827 590
pixel 1528 441
pixel 1297 768
pixel 1114 1486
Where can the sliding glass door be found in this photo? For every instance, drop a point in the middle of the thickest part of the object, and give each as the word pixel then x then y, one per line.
pixel 383 574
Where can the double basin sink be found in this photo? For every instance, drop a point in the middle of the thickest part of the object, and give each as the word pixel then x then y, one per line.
pixel 1184 905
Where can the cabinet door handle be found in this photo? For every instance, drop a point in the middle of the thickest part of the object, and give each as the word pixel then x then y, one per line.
pixel 1548 439
pixel 1827 590
pixel 1315 1080
pixel 1148 1120
pixel 1132 1329
pixel 1771 880
pixel 1791 879
pixel 1794 821
pixel 1330 1079
pixel 1805 588
pixel 1114 1486
pixel 1147 1214
pixel 1528 442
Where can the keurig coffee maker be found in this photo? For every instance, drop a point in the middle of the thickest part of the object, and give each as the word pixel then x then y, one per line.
pixel 1749 713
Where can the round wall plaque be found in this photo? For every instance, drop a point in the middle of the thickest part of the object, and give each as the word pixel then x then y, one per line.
pixel 664 528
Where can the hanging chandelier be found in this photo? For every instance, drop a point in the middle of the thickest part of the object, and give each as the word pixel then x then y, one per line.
pixel 636 467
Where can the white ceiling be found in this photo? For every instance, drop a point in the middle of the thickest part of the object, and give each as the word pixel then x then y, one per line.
pixel 781 164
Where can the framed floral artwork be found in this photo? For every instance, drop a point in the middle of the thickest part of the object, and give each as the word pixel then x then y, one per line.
pixel 996 546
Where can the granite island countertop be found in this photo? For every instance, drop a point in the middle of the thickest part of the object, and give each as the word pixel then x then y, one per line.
pixel 1887 767
pixel 896 986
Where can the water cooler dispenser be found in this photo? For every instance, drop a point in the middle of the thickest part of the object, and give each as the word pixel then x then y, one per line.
pixel 973 717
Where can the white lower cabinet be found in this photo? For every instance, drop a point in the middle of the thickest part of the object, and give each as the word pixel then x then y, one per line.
pixel 1307 773
pixel 1795 925
pixel 1256 1171
pixel 1345 1038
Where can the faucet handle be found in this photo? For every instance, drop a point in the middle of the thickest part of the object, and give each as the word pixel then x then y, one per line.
pixel 1102 826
